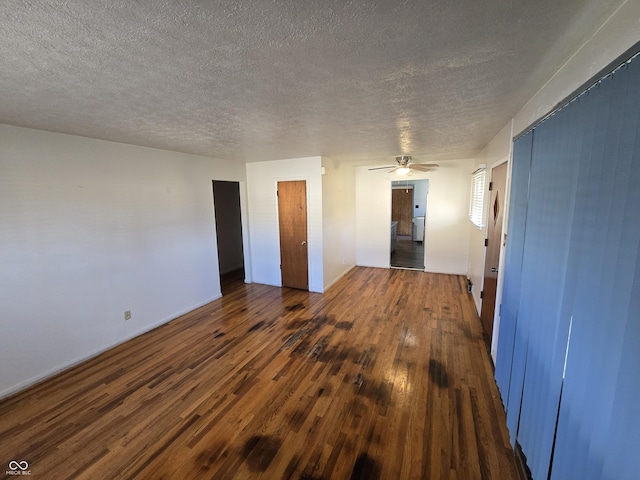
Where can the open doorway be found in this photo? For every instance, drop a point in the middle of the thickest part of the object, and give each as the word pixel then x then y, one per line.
pixel 226 203
pixel 408 214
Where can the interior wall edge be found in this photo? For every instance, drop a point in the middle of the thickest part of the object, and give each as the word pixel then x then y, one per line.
pixel 332 283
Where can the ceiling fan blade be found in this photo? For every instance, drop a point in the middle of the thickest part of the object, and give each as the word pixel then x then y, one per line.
pixel 430 165
pixel 382 168
pixel 421 168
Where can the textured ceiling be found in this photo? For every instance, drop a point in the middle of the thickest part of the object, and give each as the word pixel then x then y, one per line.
pixel 265 79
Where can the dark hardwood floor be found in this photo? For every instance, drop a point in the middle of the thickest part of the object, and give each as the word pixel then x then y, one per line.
pixel 385 376
pixel 231 281
pixel 408 254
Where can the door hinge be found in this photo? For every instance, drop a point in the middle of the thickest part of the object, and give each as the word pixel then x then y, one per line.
pixel 490 186
pixel 486 242
pixel 482 294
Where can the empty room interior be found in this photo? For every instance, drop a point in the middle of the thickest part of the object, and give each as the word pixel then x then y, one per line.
pixel 320 240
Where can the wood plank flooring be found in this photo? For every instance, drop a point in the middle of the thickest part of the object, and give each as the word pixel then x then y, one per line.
pixel 385 376
pixel 408 254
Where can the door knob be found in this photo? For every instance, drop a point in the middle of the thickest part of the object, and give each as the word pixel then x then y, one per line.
pixel 494 269
pixel 304 242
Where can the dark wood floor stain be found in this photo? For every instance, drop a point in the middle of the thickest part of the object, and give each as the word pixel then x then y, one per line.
pixel 344 325
pixel 296 324
pixel 257 326
pixel 366 357
pixel 294 338
pixel 365 469
pixel 378 392
pixel 259 450
pixel 305 476
pixel 294 308
pixel 384 376
pixel 438 373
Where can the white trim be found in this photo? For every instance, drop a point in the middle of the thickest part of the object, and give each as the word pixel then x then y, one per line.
pixel 503 249
pixel 246 243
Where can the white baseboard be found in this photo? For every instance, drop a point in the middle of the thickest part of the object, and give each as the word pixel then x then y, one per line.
pixel 327 287
pixel 77 361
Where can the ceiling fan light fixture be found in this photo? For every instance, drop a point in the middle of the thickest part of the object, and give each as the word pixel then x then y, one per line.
pixel 406 167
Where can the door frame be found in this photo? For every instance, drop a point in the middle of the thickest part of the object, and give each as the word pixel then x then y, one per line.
pixel 493 243
pixel 244 225
pixel 500 282
pixel 421 176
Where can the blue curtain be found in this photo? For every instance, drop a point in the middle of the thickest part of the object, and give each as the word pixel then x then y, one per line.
pixel 568 363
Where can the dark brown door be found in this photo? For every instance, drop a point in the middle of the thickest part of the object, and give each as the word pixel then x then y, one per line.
pixel 402 209
pixel 494 238
pixel 292 212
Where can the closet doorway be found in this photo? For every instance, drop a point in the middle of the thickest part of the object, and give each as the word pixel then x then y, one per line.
pixel 226 204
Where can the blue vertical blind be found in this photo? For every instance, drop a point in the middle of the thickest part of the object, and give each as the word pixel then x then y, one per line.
pixel 568 360
pixel 510 359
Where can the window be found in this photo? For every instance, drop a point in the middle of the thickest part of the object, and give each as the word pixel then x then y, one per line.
pixel 476 206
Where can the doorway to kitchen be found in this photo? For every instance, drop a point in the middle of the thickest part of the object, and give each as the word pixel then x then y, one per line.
pixel 408 214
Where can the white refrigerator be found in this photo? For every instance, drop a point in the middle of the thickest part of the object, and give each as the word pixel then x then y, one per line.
pixel 418 229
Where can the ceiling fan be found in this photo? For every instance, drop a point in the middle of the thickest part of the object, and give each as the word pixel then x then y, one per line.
pixel 405 166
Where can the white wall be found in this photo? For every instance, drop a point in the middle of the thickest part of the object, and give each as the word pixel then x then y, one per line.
pixel 373 218
pixel 619 33
pixel 338 220
pixel 262 179
pixel 446 229
pixel 93 228
pixel 447 221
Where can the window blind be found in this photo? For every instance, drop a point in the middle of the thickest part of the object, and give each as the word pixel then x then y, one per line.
pixel 476 207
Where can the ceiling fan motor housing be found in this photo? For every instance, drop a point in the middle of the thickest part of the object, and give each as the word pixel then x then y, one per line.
pixel 403 160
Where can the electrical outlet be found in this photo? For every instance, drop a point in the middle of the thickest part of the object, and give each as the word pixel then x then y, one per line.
pixel 127 315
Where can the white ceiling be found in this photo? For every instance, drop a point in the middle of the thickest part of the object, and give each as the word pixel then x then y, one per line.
pixel 268 79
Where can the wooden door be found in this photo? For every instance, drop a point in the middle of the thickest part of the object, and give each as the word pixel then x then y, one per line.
pixel 494 238
pixel 402 209
pixel 292 214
